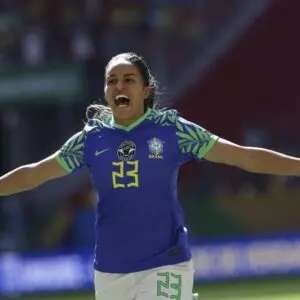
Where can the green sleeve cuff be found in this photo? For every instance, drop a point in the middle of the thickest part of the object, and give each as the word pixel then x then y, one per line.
pixel 62 162
pixel 204 150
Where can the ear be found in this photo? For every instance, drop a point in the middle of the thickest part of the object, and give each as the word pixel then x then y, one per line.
pixel 146 92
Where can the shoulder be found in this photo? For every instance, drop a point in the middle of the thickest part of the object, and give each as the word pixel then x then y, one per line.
pixel 169 117
pixel 163 117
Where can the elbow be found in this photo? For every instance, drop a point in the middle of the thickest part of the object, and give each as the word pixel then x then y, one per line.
pixel 250 168
pixel 249 163
pixel 258 161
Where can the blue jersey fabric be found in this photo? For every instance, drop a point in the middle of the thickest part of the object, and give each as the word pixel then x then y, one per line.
pixel 139 220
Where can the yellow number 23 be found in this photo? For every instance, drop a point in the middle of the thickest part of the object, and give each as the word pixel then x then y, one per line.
pixel 132 170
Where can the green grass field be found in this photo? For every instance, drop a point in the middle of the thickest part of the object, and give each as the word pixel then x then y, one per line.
pixel 275 289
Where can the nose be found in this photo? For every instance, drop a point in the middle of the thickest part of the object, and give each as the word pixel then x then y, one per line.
pixel 119 85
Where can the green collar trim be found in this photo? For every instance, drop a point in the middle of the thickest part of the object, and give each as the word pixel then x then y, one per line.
pixel 132 125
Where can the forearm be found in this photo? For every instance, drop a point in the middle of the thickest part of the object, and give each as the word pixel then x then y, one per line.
pixel 270 162
pixel 18 180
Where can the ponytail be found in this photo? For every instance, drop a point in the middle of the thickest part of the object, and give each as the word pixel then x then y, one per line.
pixel 98 111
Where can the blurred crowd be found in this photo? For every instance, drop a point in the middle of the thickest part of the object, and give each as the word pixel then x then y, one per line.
pixel 35 32
pixel 170 34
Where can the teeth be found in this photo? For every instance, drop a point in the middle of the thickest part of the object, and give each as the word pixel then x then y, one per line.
pixel 121 96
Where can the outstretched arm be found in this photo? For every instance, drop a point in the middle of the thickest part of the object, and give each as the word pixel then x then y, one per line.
pixel 252 159
pixel 31 176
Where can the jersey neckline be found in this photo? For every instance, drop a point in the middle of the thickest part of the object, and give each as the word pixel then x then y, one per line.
pixel 132 125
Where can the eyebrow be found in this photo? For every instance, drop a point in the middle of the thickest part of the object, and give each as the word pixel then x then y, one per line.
pixel 125 75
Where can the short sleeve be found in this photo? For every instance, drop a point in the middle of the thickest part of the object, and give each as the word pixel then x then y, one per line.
pixel 71 155
pixel 193 140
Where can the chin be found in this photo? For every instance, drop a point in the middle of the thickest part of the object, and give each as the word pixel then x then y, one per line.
pixel 123 115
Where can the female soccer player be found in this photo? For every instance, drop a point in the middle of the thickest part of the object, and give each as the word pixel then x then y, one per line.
pixel 133 153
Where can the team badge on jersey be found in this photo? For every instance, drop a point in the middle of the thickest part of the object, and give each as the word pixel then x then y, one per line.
pixel 156 148
pixel 126 150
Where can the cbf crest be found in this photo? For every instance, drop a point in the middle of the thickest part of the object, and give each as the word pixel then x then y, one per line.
pixel 156 148
pixel 126 151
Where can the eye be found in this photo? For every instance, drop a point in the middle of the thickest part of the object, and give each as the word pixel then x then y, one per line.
pixel 111 81
pixel 129 80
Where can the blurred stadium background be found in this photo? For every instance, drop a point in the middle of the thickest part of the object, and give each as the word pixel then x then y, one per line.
pixel 230 65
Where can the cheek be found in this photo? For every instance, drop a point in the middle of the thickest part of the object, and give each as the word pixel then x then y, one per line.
pixel 138 99
pixel 107 93
pixel 139 95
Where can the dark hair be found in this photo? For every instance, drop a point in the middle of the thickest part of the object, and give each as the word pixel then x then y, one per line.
pixel 103 112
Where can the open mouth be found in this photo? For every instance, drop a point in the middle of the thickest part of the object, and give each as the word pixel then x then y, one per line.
pixel 122 101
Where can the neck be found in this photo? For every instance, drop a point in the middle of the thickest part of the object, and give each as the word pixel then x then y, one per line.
pixel 125 122
pixel 129 121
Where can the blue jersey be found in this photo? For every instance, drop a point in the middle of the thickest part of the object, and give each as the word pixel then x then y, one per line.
pixel 139 220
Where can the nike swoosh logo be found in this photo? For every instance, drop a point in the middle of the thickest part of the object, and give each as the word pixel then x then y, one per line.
pixel 98 152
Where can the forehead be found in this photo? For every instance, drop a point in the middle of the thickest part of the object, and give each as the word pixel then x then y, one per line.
pixel 121 67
